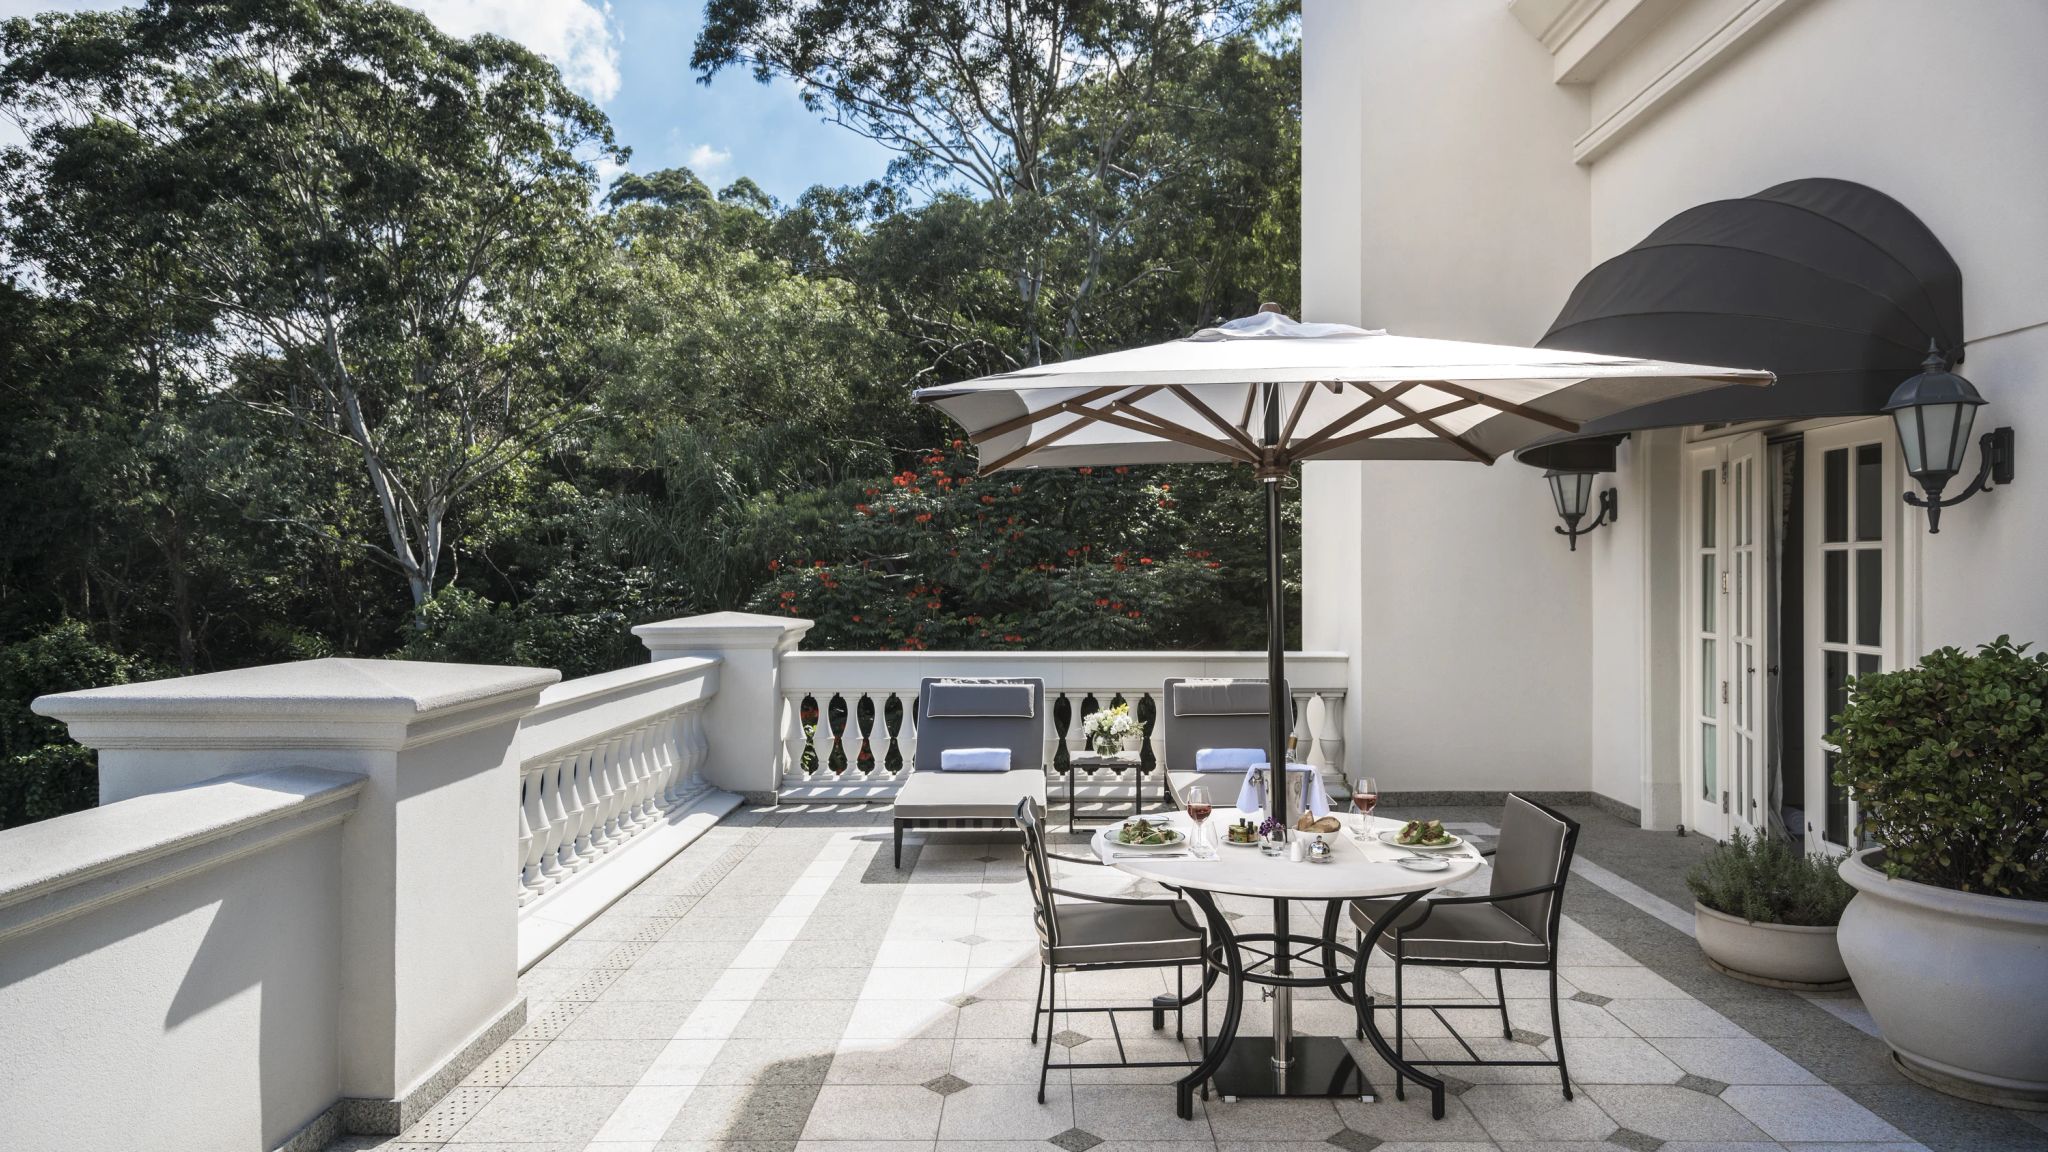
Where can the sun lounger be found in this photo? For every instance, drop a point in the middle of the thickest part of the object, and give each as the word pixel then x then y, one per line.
pixel 961 714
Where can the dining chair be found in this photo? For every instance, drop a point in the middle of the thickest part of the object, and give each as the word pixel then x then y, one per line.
pixel 1513 926
pixel 1094 933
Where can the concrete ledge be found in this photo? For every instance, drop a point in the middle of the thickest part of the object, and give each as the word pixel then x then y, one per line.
pixel 560 911
pixel 55 869
pixel 1486 798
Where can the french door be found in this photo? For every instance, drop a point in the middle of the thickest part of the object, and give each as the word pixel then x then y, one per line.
pixel 1727 518
pixel 1852 518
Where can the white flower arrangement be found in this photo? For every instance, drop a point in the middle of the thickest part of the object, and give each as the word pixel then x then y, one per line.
pixel 1107 729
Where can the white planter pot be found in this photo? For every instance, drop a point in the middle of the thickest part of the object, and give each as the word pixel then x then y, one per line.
pixel 1781 955
pixel 1956 982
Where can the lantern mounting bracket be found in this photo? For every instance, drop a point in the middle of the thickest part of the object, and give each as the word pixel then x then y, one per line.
pixel 1994 467
pixel 1610 511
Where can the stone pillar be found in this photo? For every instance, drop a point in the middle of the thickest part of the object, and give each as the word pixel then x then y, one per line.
pixel 429 970
pixel 744 721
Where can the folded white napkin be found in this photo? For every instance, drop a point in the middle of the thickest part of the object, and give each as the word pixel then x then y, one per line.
pixel 974 760
pixel 1253 794
pixel 1228 759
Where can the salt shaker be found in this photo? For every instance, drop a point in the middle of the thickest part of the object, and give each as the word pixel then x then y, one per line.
pixel 1297 850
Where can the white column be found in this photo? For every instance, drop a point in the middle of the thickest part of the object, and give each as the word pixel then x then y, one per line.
pixel 429 925
pixel 743 721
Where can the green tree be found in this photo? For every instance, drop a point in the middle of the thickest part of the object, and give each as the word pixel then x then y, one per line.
pixel 370 230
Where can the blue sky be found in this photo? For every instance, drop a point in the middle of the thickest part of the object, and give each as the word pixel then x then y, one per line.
pixel 633 58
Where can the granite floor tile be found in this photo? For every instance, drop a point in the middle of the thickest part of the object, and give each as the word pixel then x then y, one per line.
pixel 1789 1112
pixel 589 1063
pixel 1008 1110
pixel 1536 1112
pixel 541 1114
pixel 874 1112
pixel 1741 1060
pixel 1665 1112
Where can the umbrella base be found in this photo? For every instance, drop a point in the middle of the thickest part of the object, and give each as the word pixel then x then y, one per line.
pixel 1322 1067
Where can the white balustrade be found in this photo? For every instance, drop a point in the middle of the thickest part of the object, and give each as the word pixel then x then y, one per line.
pixel 605 758
pixel 848 723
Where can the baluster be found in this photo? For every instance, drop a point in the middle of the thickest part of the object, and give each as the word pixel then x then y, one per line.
pixel 653 771
pixel 699 746
pixel 630 762
pixel 794 740
pixel 1158 739
pixel 906 734
pixel 532 821
pixel 1331 735
pixel 1052 732
pixel 584 849
pixel 838 733
pixel 645 763
pixel 865 729
pixel 557 794
pixel 604 779
pixel 671 760
pixel 1077 737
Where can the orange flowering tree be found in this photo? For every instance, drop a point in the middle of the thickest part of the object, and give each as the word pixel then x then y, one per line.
pixel 1088 558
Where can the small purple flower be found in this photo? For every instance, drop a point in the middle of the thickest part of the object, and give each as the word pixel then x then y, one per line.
pixel 1270 826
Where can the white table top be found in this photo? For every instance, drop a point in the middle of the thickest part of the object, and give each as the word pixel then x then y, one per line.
pixel 1358 870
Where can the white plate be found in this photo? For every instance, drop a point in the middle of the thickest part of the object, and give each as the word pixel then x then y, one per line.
pixel 1391 839
pixel 1178 839
pixel 1424 863
pixel 1240 843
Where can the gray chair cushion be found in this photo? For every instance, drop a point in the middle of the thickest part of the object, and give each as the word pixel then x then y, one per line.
pixel 1125 934
pixel 1468 933
pixel 1187 734
pixel 934 795
pixel 1023 735
pixel 980 698
pixel 1529 854
pixel 1218 698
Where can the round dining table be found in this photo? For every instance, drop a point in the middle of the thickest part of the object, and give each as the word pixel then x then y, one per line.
pixel 1284 1064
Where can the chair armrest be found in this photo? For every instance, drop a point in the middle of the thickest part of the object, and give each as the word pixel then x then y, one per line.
pixel 1488 852
pixel 1137 901
pixel 1491 898
pixel 1075 859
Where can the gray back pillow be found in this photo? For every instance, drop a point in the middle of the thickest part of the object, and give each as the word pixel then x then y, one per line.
pixel 1023 735
pixel 1213 714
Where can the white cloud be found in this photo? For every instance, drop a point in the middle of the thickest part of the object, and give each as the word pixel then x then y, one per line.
pixel 704 157
pixel 575 35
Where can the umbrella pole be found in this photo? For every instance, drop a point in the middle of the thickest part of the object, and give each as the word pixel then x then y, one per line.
pixel 1278 724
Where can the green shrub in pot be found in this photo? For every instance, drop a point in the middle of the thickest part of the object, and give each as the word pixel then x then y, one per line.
pixel 1767 881
pixel 1948 764
pixel 1947 939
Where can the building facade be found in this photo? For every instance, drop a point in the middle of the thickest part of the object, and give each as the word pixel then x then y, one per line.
pixel 1465 164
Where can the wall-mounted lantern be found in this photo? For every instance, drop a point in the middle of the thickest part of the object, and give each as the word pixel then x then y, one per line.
pixel 1934 411
pixel 1572 492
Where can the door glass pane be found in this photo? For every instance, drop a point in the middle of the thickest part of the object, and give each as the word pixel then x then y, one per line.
pixel 1706 508
pixel 1834 493
pixel 1710 679
pixel 1708 592
pixel 1867 662
pixel 1869 596
pixel 1870 492
pixel 1710 771
pixel 1834 670
pixel 1837 804
pixel 1834 595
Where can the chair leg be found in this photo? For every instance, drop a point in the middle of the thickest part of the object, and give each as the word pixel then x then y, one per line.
pixel 1038 1004
pixel 1359 998
pixel 1500 988
pixel 1052 982
pixel 899 845
pixel 1564 1076
pixel 1400 1018
pixel 1180 1012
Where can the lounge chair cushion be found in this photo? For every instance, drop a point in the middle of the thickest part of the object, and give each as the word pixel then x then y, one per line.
pixel 1221 698
pixel 1125 934
pixel 980 698
pixel 1471 933
pixel 968 795
pixel 1528 855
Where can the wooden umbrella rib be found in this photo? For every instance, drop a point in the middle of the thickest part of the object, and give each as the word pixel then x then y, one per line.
pixel 1432 427
pixel 1315 442
pixel 1050 438
pixel 1408 421
pixel 1209 414
pixel 1523 410
pixel 1122 419
pixel 1300 406
pixel 1005 427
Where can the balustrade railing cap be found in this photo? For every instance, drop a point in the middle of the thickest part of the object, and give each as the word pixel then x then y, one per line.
pixel 723 630
pixel 377 690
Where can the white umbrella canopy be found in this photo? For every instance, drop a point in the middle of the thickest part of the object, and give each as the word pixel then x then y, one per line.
pixel 1335 392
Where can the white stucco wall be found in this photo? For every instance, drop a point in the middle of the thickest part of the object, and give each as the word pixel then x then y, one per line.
pixel 1467 615
pixel 1489 654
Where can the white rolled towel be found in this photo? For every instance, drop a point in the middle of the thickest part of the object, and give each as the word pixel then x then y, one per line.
pixel 974 760
pixel 1228 759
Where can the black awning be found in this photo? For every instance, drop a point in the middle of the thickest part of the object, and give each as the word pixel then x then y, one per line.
pixel 1834 286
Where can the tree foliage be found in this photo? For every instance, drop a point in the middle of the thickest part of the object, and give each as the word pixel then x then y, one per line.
pixel 318 336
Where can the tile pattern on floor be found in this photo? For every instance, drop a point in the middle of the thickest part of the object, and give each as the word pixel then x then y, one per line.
pixel 780 987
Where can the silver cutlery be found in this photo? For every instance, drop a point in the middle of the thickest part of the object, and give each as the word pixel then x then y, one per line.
pixel 1150 855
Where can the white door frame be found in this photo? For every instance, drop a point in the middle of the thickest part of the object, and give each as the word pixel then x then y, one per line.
pixel 1723 571
pixel 1859 638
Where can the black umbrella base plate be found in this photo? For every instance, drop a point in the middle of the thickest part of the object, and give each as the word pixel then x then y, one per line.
pixel 1322 1067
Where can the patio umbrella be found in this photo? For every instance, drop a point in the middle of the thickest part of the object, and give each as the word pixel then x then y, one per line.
pixel 1270 392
